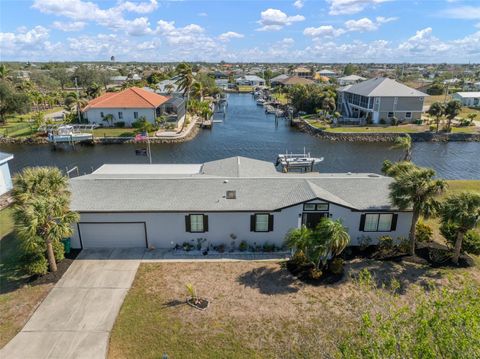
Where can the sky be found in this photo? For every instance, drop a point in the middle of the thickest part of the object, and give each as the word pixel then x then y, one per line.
pixel 392 31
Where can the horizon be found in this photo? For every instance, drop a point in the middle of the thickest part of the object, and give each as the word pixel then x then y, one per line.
pixel 281 32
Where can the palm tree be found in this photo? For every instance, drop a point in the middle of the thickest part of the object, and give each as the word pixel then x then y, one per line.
pixel 437 110
pixel 451 111
pixel 298 238
pixel 4 71
pixel 197 91
pixel 41 211
pixel 404 143
pixel 94 90
pixel 328 104
pixel 414 187
pixel 185 82
pixel 462 210
pixel 472 116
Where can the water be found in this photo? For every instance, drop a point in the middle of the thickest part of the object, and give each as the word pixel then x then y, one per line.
pixel 247 131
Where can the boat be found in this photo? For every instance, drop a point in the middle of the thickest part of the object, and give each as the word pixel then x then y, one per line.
pixel 269 109
pixel 279 113
pixel 67 134
pixel 297 160
pixel 260 102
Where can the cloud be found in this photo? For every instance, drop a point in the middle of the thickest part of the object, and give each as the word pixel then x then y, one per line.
pixel 462 12
pixel 384 20
pixel 26 42
pixel 348 7
pixel 141 8
pixel 227 36
pixel 361 25
pixel 298 4
pixel 274 20
pixel 69 26
pixel 203 14
pixel 192 34
pixel 323 31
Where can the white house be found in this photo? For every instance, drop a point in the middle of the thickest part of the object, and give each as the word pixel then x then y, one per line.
pixel 350 80
pixel 5 177
pixel 471 99
pixel 250 80
pixel 164 205
pixel 131 104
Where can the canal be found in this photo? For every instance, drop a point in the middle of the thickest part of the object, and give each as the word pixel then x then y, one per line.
pixel 247 131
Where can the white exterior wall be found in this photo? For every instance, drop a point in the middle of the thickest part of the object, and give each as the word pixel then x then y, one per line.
pixel 5 178
pixel 94 115
pixel 164 230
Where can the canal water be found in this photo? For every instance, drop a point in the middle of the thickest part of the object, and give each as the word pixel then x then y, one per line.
pixel 247 131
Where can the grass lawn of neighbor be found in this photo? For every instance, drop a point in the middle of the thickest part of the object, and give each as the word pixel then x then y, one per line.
pixel 259 310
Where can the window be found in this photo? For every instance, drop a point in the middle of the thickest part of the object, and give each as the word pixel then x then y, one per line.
pixel 101 115
pixel 315 207
pixel 261 222
pixel 378 222
pixel 135 115
pixel 120 115
pixel 408 115
pixel 196 223
pixel 390 114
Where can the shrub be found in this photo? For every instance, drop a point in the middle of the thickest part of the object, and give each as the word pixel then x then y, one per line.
pixel 120 124
pixel 336 265
pixel 432 128
pixel 385 243
pixel 315 273
pixel 403 244
pixel 35 263
pixel 424 233
pixel 299 258
pixel 243 246
pixel 471 241
pixel 58 250
pixel 268 247
pixel 364 242
pixel 382 121
pixel 394 121
pixel 419 121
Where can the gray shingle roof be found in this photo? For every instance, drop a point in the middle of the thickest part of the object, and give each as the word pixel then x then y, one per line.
pixel 258 188
pixel 382 86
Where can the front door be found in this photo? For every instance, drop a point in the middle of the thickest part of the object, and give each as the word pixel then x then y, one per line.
pixel 311 220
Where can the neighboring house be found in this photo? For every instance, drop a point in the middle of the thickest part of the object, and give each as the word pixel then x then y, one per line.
pixel 471 99
pixel 302 72
pixel 5 177
pixel 118 80
pixel 250 80
pixel 350 80
pixel 295 80
pixel 327 73
pixel 133 103
pixel 379 99
pixel 169 88
pixel 277 80
pixel 163 205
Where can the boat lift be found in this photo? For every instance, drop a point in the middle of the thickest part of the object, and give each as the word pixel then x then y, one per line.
pixel 303 161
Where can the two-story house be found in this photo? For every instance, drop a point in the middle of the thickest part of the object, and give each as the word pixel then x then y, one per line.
pixel 379 99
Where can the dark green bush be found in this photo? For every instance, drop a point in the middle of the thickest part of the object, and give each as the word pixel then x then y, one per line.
pixel 35 263
pixel 336 265
pixel 424 233
pixel 243 246
pixel 58 251
pixel 120 124
pixel 471 241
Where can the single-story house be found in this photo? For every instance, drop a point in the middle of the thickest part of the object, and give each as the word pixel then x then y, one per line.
pixel 380 99
pixel 169 88
pixel 239 198
pixel 295 80
pixel 118 80
pixel 133 103
pixel 327 73
pixel 471 99
pixel 350 80
pixel 250 80
pixel 5 177
pixel 277 80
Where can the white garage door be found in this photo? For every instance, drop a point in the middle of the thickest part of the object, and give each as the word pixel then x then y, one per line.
pixel 113 235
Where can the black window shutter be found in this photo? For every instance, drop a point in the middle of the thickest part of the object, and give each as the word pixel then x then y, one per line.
pixel 362 222
pixel 205 223
pixel 394 222
pixel 252 223
pixel 270 222
pixel 187 223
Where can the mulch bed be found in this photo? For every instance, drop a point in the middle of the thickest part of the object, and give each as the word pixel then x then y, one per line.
pixel 302 272
pixel 53 277
pixel 199 303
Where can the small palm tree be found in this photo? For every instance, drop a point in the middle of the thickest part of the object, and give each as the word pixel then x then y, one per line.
pixel 332 238
pixel 298 238
pixel 185 82
pixel 41 211
pixel 452 109
pixel 472 116
pixel 404 143
pixel 414 187
pixel 462 210
pixel 197 91
pixel 437 110
pixel 4 71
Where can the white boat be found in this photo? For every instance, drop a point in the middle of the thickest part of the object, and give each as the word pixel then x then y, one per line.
pixel 269 109
pixel 67 134
pixel 297 160
pixel 260 102
pixel 279 113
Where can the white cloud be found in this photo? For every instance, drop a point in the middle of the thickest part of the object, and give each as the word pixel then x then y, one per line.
pixel 462 12
pixel 187 35
pixel 323 31
pixel 384 20
pixel 203 14
pixel 69 26
pixel 138 27
pixel 141 8
pixel 227 36
pixel 26 42
pixel 348 7
pixel 361 25
pixel 298 4
pixel 423 42
pixel 274 20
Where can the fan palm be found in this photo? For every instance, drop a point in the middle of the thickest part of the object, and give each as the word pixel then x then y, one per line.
pixel 330 238
pixel 414 187
pixel 185 82
pixel 462 210
pixel 41 210
pixel 436 110
pixel 4 71
pixel 298 238
pixel 452 109
pixel 197 91
pixel 404 143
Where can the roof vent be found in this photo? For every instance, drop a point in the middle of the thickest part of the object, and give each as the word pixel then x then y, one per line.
pixel 349 173
pixel 231 195
pixel 373 175
pixel 225 181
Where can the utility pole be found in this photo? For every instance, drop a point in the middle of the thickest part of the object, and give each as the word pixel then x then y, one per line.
pixel 78 99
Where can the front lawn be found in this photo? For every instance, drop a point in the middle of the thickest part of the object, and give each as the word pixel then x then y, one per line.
pixel 259 310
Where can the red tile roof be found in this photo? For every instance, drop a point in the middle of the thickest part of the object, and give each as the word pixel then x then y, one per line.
pixel 132 97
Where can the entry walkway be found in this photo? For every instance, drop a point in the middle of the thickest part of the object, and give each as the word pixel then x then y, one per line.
pixel 75 319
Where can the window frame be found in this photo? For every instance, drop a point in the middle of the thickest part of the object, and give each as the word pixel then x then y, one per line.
pixel 378 214
pixel 408 114
pixel 202 222
pixel 268 222
pixel 135 115
pixel 390 116
pixel 317 207
pixel 120 115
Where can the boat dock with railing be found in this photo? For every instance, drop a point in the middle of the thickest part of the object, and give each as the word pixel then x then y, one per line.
pixel 302 161
pixel 70 134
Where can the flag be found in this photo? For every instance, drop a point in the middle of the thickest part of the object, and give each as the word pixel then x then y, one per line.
pixel 140 136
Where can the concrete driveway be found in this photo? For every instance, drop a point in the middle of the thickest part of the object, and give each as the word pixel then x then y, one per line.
pixel 75 319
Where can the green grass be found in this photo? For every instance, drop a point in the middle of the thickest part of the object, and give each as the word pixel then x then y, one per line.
pixel 377 129
pixel 281 97
pixel 469 129
pixel 114 132
pixel 6 222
